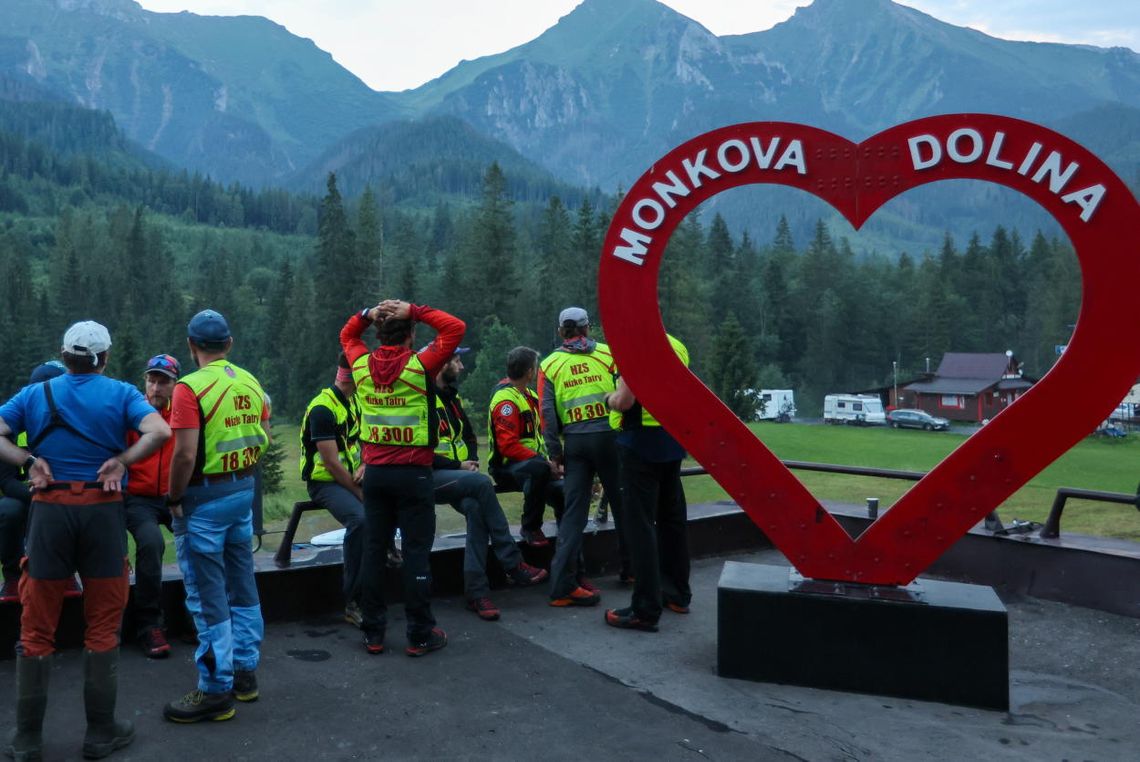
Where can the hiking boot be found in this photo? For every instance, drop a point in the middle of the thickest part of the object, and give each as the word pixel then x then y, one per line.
pixel 353 615
pixel 436 640
pixel 534 538
pixel 628 619
pixel 579 596
pixel 104 733
pixel 74 589
pixel 677 608
pixel 196 706
pixel 153 643
pixel 586 584
pixel 245 685
pixel 524 574
pixel 10 592
pixel 374 641
pixel 483 607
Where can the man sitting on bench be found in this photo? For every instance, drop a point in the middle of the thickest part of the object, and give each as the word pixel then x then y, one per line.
pixel 518 453
pixel 330 467
pixel 455 471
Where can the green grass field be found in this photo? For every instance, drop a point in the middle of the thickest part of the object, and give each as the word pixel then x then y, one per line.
pixel 1092 464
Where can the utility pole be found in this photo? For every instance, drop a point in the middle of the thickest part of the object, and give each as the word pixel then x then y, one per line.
pixel 895 373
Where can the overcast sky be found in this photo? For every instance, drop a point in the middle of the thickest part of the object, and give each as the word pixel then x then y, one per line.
pixel 400 44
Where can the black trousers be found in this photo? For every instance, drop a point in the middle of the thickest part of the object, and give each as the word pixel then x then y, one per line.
pixel 539 488
pixel 404 497
pixel 144 515
pixel 655 519
pixel 13 520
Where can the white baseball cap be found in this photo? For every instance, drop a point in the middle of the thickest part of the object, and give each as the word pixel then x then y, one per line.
pixel 86 338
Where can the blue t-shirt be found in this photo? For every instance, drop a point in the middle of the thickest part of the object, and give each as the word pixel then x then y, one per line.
pixel 102 408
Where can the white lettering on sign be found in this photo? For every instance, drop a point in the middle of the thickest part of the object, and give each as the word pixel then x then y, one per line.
pixel 993 157
pixel 656 209
pixel 967 145
pixel 634 251
pixel 793 157
pixel 764 158
pixel 742 156
pixel 1030 157
pixel 674 188
pixel 695 169
pixel 933 147
pixel 732 156
pixel 954 146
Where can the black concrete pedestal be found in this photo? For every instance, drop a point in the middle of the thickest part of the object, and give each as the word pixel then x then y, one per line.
pixel 935 641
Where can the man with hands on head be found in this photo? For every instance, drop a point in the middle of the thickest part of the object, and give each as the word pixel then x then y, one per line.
pixel 77 465
pixel 399 432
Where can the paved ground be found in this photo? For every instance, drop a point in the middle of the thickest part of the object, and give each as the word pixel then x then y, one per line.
pixel 559 684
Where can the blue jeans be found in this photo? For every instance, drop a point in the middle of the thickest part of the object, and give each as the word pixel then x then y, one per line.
pixel 212 541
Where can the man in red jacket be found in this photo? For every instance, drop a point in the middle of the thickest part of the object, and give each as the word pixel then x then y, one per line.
pixel 145 503
pixel 399 430
pixel 518 453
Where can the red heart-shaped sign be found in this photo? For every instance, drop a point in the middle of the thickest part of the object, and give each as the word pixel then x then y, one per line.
pixel 1096 210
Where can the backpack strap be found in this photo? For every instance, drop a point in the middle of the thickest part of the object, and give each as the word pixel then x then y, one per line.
pixel 57 421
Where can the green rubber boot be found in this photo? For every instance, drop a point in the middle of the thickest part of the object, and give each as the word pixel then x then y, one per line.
pixel 32 673
pixel 105 734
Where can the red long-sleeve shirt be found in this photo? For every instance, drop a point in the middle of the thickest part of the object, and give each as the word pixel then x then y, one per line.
pixel 509 424
pixel 151 477
pixel 386 364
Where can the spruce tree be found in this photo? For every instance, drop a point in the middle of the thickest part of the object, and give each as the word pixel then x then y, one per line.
pixel 368 264
pixel 491 250
pixel 732 372
pixel 586 251
pixel 560 283
pixel 490 360
pixel 272 474
pixel 335 256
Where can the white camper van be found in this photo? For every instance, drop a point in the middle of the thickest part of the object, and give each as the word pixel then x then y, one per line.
pixel 779 405
pixel 856 409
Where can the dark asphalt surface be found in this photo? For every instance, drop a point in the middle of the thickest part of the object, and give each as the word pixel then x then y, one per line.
pixel 558 684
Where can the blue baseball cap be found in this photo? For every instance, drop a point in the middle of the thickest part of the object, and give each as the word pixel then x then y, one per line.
pixel 458 350
pixel 48 370
pixel 208 326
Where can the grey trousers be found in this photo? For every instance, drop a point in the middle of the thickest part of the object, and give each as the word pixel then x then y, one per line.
pixel 585 455
pixel 473 495
pixel 349 511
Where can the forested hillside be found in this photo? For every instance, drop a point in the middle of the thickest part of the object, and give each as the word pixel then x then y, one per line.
pixel 92 226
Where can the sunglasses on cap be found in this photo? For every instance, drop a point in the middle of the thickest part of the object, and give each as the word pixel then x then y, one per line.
pixel 164 364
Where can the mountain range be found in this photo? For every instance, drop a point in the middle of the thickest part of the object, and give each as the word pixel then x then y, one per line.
pixel 591 102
